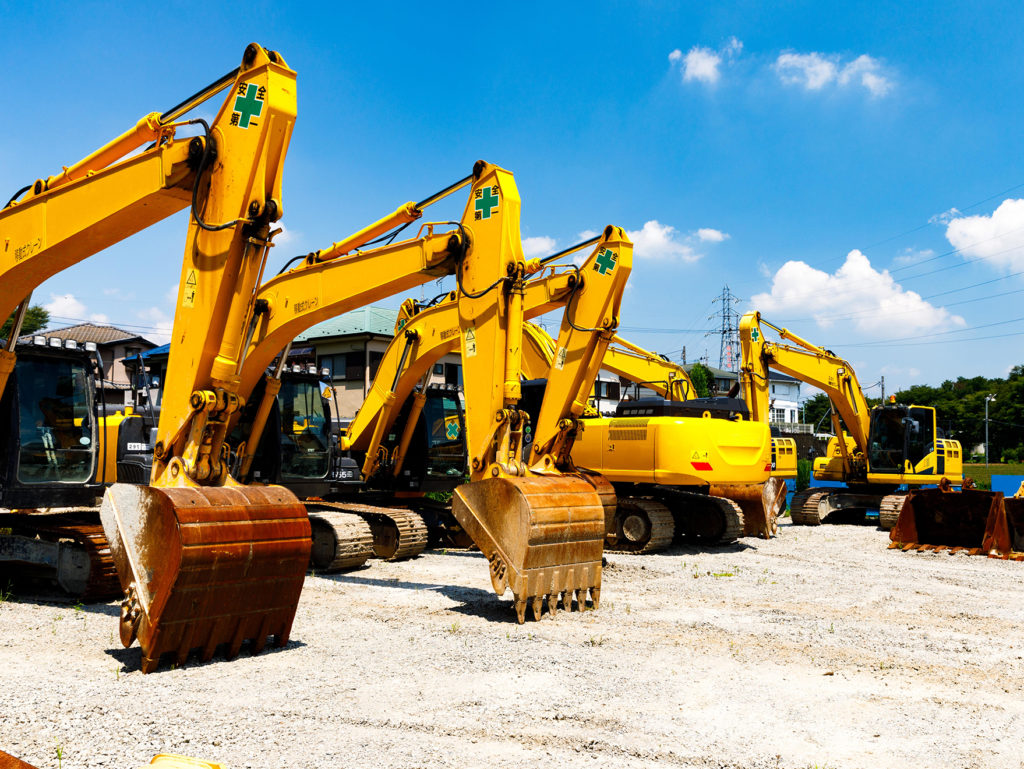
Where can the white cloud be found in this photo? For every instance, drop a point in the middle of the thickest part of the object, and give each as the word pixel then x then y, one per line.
pixel 67 308
pixel 541 245
pixel 913 256
pixel 286 236
pixel 998 238
pixel 811 70
pixel 877 303
pixel 709 235
pixel 661 241
pixel 588 234
pixel 945 217
pixel 867 71
pixel 702 64
pixel 171 295
pixel 814 71
pixel 160 325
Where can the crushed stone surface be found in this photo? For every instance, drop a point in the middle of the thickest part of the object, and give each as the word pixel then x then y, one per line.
pixel 820 648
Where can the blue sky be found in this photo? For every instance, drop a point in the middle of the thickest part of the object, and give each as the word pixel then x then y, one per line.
pixel 854 170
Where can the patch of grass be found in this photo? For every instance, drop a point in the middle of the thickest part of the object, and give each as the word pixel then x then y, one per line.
pixel 7 592
pixel 59 750
pixel 719 574
pixel 831 627
pixel 982 473
pixel 454 628
pixel 594 640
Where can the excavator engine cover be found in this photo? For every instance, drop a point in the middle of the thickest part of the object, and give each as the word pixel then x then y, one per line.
pixel 971 520
pixel 205 566
pixel 543 536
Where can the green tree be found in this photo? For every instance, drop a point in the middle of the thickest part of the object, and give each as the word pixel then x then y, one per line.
pixel 701 378
pixel 36 319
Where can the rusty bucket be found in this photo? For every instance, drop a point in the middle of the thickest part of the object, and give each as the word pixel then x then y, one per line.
pixel 542 534
pixel 206 566
pixel 935 519
pixel 760 503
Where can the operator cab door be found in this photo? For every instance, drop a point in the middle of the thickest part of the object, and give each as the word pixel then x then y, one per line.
pixel 887 439
pixel 921 440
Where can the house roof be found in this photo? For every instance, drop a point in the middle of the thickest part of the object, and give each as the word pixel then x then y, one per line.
pixel 379 321
pixel 90 332
pixel 717 373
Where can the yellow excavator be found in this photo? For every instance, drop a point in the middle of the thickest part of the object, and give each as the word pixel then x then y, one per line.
pixel 141 521
pixel 230 179
pixel 874 450
pixel 696 468
pixel 538 519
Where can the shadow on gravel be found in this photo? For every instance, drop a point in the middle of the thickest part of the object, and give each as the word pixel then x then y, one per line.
pixel 473 601
pixel 131 658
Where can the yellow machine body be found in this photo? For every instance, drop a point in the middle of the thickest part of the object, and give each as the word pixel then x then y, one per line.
pixel 873 451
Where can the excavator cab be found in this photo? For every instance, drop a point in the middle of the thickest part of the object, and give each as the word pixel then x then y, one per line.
pixel 50 457
pixel 436 457
pixel 49 418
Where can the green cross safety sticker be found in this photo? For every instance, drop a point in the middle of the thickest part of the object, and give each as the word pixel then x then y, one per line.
pixel 605 261
pixel 753 334
pixel 451 430
pixel 486 202
pixel 248 105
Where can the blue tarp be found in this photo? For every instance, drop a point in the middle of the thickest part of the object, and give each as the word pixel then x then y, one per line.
pixel 1008 484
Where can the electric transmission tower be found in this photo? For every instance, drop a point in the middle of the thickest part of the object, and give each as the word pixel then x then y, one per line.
pixel 729 332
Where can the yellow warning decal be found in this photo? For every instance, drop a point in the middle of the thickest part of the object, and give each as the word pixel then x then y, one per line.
pixel 470 342
pixel 188 298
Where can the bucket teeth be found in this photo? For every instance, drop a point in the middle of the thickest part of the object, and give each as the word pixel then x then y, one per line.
pixel 521 611
pixel 552 604
pixel 538 607
pixel 595 596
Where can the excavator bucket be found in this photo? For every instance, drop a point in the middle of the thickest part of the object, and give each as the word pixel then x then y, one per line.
pixel 206 566
pixel 542 535
pixel 970 520
pixel 760 503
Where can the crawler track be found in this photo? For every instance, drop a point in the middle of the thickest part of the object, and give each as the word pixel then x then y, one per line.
pixel 641 526
pixel 804 507
pixel 889 510
pixel 340 540
pixel 81 527
pixel 703 518
pixel 398 534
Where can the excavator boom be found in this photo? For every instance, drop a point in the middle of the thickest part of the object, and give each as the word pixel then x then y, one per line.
pixel 203 560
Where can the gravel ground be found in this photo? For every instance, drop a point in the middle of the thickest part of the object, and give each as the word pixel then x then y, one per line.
pixel 819 648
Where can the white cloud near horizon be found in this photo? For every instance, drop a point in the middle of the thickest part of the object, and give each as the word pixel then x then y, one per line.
pixel 814 71
pixel 997 238
pixel 68 308
pixel 877 303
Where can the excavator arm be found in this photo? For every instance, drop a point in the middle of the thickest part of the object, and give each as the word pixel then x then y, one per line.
pixel 814 365
pixel 58 221
pixel 422 337
pixel 203 560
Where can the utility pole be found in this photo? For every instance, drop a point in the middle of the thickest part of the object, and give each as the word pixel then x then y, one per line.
pixel 684 354
pixel 988 399
pixel 729 333
pixel 883 389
